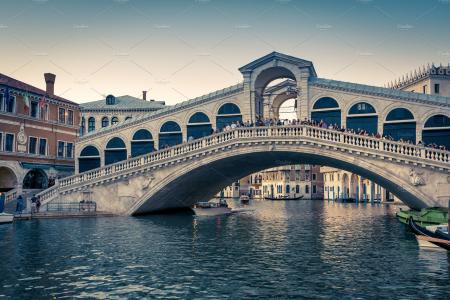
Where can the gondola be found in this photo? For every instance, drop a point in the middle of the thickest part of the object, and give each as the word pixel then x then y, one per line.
pixel 283 198
pixel 429 236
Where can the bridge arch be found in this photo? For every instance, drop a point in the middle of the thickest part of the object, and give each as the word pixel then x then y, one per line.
pixel 362 115
pixel 142 142
pixel 198 125
pixel 115 150
pixel 88 159
pixel 170 134
pixel 436 130
pixel 400 124
pixel 264 77
pixel 226 114
pixel 327 109
pixel 217 171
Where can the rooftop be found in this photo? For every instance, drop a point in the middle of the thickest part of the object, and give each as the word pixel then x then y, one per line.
pixel 20 85
pixel 125 102
pixel 419 74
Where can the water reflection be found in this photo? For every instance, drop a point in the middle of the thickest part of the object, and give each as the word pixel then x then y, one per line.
pixel 280 250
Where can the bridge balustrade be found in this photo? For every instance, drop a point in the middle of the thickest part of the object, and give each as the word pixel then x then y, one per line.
pixel 324 134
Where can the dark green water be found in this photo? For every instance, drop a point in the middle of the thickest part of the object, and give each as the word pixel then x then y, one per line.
pixel 282 250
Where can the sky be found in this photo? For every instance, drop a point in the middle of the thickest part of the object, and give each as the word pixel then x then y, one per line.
pixel 179 50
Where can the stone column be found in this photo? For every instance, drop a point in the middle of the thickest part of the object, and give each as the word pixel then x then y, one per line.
pixel 372 191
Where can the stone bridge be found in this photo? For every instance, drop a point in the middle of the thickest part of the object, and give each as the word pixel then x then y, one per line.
pixel 130 169
pixel 184 174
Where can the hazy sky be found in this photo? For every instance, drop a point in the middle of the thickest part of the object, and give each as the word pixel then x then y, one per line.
pixel 183 49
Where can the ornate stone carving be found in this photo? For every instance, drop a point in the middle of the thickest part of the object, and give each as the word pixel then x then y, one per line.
pixel 416 177
pixel 21 136
pixel 146 183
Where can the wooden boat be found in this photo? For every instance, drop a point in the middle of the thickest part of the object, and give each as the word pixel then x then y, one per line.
pixel 6 218
pixel 428 238
pixel 244 199
pixel 284 198
pixel 208 209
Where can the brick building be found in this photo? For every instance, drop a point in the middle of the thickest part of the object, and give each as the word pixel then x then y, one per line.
pixel 37 134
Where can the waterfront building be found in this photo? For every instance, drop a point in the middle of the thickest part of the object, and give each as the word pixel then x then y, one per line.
pixel 112 110
pixel 37 135
pixel 290 180
pixel 343 185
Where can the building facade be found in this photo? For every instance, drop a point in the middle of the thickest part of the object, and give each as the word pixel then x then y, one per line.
pixel 37 135
pixel 286 181
pixel 113 110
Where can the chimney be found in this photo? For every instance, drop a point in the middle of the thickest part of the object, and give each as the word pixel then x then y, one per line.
pixel 50 83
pixel 144 95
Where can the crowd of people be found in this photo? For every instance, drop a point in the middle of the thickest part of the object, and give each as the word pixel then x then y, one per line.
pixel 321 124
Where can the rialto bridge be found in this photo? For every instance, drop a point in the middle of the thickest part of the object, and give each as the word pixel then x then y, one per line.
pixel 128 175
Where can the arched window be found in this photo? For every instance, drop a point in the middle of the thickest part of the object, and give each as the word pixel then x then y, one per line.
pixel 142 143
pixel 400 125
pixel 362 116
pixel 105 122
pixel 326 109
pixel 198 126
pixel 110 100
pixel 82 126
pixel 227 114
pixel 89 159
pixel 115 151
pixel 128 118
pixel 437 131
pixel 170 135
pixel 91 124
pixel 114 120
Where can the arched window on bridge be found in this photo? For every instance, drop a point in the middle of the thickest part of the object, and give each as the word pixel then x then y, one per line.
pixel 362 116
pixel 89 159
pixel 198 126
pixel 170 134
pixel 437 130
pixel 142 143
pixel 115 151
pixel 114 120
pixel 326 109
pixel 400 124
pixel 227 114
pixel 91 124
pixel 105 122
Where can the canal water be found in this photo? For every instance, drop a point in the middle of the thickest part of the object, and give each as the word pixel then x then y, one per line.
pixel 281 250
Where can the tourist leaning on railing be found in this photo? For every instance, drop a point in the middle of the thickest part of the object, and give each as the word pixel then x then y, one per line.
pixel 322 124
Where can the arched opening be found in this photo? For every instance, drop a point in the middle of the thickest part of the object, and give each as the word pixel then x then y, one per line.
pixel 170 135
pixel 114 120
pixel 8 180
pixel 198 126
pixel 354 187
pixel 281 97
pixel 142 143
pixel 227 114
pixel 35 179
pixel 263 80
pixel 326 109
pixel 362 116
pixel 105 121
pixel 115 151
pixel 437 131
pixel 400 125
pixel 91 124
pixel 89 159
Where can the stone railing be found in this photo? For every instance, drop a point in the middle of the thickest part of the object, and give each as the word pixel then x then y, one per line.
pixel 331 137
pixel 10 195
